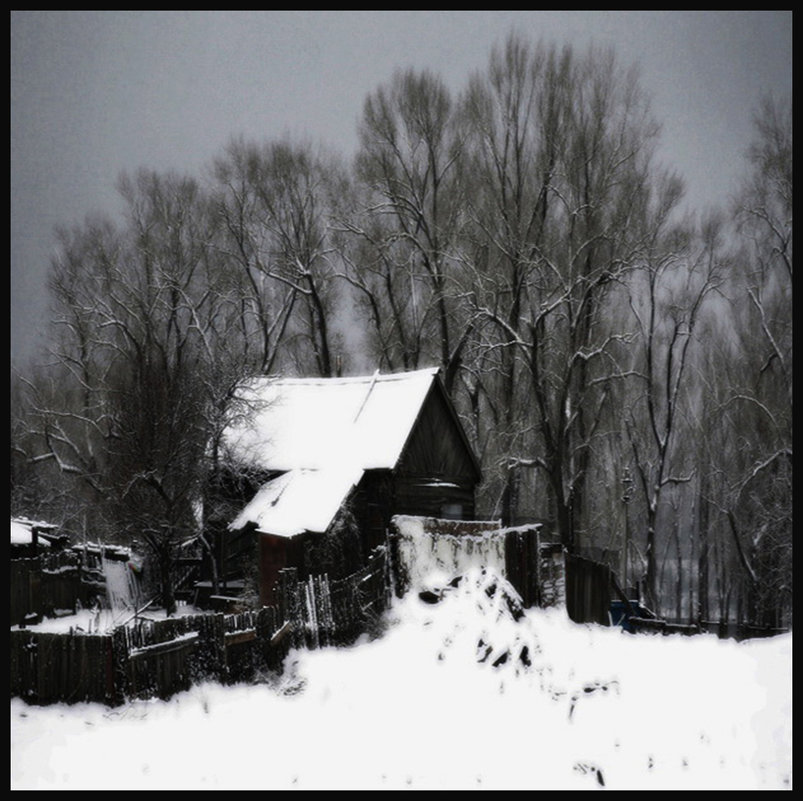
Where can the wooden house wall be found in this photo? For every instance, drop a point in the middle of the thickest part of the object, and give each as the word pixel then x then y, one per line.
pixel 437 474
pixel 335 554
pixel 417 496
pixel 233 549
pixel 273 557
pixel 437 449
pixel 373 505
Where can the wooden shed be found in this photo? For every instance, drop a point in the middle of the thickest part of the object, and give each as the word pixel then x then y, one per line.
pixel 340 457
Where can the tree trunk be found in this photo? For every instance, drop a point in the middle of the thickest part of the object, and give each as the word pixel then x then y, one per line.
pixel 166 578
pixel 702 556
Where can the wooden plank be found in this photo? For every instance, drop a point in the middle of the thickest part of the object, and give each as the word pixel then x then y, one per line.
pixel 237 637
pixel 281 633
pixel 184 641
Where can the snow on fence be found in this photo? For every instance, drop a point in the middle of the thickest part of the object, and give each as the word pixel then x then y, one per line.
pixel 122 587
pixel 429 550
pixel 157 658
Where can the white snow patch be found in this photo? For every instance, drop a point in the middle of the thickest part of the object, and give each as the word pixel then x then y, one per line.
pixel 22 534
pixel 122 591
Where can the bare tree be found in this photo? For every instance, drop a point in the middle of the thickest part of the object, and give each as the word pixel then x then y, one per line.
pixel 407 164
pixel 563 145
pixel 758 407
pixel 276 201
pixel 512 116
pixel 668 297
pixel 146 356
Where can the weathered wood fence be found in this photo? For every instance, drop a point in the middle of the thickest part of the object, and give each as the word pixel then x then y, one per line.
pixel 44 584
pixel 588 590
pixel 158 658
pixel 724 629
pixel 324 612
pixel 47 668
pixel 40 586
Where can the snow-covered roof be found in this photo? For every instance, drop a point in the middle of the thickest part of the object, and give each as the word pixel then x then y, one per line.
pixel 322 434
pixel 298 501
pixel 316 423
pixel 22 531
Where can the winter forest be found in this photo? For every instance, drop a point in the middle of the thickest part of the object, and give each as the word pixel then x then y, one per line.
pixel 622 363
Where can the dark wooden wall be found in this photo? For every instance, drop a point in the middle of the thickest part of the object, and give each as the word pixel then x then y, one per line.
pixel 272 559
pixel 437 448
pixel 436 475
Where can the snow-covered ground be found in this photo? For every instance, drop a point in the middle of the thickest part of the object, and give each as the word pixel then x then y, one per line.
pixel 455 694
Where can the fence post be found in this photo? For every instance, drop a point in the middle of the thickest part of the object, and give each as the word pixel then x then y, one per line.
pixel 120 671
pixel 535 562
pixel 398 579
pixel 211 660
pixel 290 602
pixel 311 613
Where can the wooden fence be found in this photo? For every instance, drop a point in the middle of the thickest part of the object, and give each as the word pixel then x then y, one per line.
pixel 323 612
pixel 588 590
pixel 39 587
pixel 47 668
pixel 523 565
pixel 44 584
pixel 148 658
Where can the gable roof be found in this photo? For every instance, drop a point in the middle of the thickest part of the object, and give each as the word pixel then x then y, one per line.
pixel 322 434
pixel 315 423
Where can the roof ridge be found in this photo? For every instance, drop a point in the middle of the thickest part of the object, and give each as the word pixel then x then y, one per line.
pixel 354 379
pixel 367 395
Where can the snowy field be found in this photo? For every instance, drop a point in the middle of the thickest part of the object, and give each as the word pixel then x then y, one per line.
pixel 455 694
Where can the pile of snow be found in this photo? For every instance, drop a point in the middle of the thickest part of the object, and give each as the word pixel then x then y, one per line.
pixel 465 690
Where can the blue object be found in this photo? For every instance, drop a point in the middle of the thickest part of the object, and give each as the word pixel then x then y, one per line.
pixel 621 613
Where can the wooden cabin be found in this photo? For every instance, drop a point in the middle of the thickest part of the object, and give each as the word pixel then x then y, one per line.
pixel 329 461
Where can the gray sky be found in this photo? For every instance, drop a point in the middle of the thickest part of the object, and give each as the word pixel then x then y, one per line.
pixel 96 93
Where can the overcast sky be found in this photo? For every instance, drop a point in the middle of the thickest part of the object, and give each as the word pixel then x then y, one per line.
pixel 96 93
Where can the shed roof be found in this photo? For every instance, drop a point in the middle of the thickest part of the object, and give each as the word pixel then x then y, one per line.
pixel 298 501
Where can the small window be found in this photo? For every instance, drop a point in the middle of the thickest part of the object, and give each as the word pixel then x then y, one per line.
pixel 452 511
